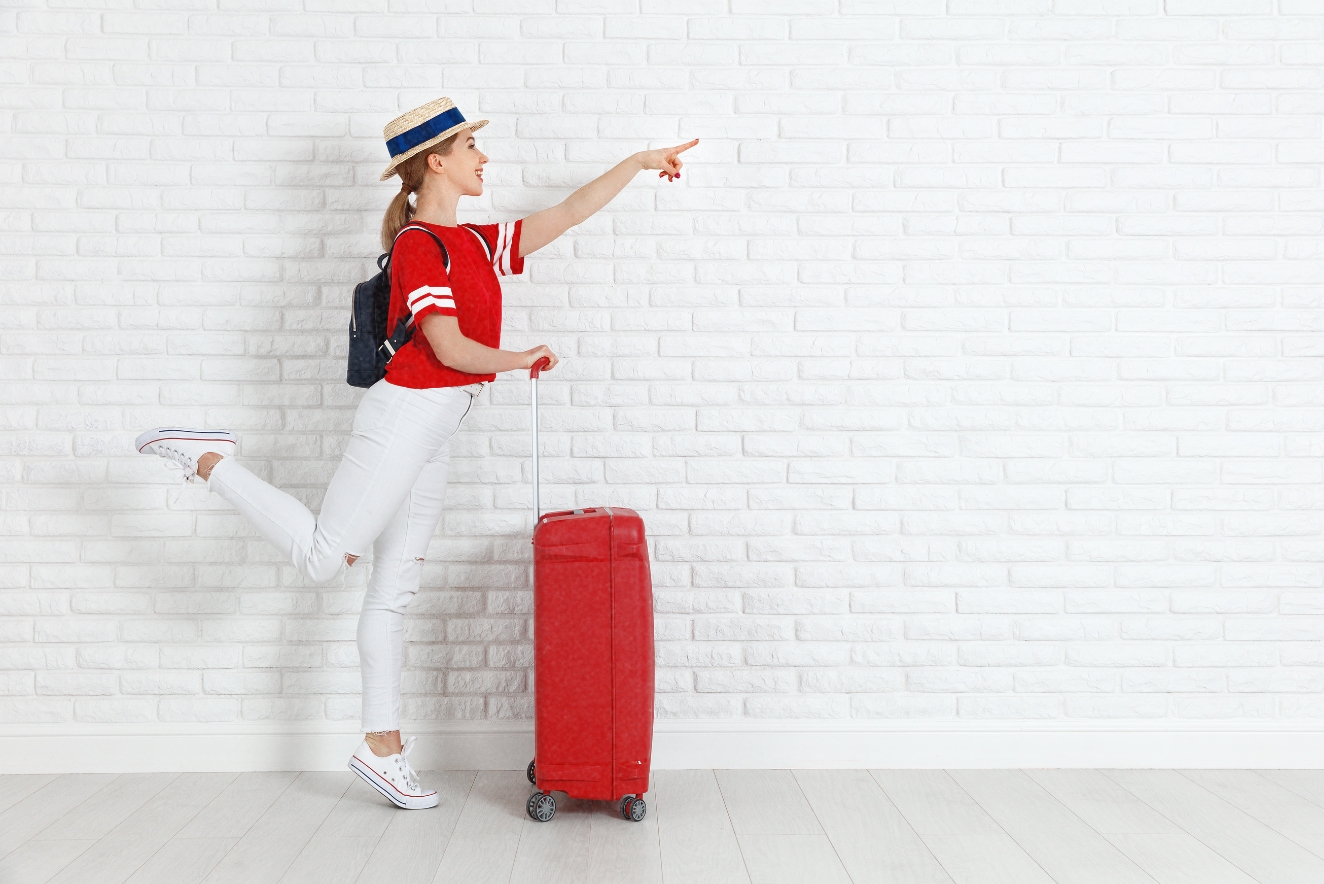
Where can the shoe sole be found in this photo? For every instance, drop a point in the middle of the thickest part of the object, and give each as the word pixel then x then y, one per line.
pixel 408 802
pixel 163 433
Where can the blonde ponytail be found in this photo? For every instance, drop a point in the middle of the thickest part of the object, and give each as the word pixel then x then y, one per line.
pixel 398 214
pixel 412 171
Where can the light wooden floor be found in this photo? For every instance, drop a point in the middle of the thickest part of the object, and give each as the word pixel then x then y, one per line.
pixel 760 827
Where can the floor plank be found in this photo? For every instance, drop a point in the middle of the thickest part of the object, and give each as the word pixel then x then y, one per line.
pixel 144 832
pixel 623 850
pixel 1179 859
pixel 46 806
pixel 36 862
pixel 792 859
pixel 239 805
pixel 273 842
pixel 183 861
pixel 333 860
pixel 1277 807
pixel 170 810
pixel 95 817
pixel 1105 806
pixel 1309 784
pixel 1248 844
pixel 362 812
pixel 108 861
pixel 933 804
pixel 1058 840
pixel 985 858
pixel 411 848
pixel 766 802
pixel 556 852
pixel 873 840
pixel 1313 843
pixel 698 844
pixel 15 787
pixel 482 846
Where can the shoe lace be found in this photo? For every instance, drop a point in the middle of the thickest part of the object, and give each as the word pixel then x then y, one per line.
pixel 411 775
pixel 175 456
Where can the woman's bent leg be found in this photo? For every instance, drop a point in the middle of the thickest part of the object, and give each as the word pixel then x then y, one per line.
pixel 397 568
pixel 277 516
pixel 396 432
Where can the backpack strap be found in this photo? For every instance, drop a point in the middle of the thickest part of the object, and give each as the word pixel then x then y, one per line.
pixel 445 255
pixel 404 329
pixel 487 246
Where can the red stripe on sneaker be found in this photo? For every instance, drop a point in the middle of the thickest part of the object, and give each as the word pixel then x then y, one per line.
pixel 388 782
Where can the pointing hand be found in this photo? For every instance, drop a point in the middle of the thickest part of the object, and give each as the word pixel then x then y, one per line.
pixel 666 158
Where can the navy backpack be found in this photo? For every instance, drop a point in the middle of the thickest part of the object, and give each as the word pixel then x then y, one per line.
pixel 369 347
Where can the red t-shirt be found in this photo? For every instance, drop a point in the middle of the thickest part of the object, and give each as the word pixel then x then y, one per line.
pixel 465 287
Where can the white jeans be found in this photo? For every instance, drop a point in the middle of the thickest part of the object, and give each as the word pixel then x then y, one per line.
pixel 388 491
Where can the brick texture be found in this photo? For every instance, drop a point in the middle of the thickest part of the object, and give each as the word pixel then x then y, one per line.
pixel 972 369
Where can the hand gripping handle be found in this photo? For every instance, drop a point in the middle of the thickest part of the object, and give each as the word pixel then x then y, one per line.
pixel 534 371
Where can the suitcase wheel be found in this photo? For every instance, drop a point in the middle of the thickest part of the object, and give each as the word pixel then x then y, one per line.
pixel 541 806
pixel 529 772
pixel 633 808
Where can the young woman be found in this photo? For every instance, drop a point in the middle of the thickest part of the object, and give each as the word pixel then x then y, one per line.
pixel 391 482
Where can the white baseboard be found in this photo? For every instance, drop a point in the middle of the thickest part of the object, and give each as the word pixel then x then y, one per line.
pixel 490 745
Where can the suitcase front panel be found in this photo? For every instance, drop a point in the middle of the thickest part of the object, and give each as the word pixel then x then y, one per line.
pixel 573 653
pixel 593 654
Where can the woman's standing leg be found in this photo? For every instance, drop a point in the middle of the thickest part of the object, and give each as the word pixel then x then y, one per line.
pixel 397 568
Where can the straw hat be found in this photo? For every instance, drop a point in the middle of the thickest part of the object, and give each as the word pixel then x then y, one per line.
pixel 421 128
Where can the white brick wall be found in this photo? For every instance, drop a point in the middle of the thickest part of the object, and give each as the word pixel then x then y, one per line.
pixel 971 370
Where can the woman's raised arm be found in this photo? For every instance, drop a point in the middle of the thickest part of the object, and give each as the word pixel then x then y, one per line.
pixel 542 227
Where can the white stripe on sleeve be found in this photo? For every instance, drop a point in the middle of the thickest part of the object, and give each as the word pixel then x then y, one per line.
pixel 503 251
pixel 447 304
pixel 438 296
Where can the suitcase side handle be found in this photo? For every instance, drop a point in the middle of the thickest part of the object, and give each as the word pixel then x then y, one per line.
pixel 534 371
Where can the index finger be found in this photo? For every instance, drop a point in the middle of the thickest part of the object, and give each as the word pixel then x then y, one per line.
pixel 678 148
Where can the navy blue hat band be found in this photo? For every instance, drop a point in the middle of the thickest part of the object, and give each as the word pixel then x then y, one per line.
pixel 412 138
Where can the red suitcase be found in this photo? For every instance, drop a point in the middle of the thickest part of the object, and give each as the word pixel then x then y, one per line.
pixel 592 655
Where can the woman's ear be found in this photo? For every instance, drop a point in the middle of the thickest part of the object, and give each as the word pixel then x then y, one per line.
pixel 434 163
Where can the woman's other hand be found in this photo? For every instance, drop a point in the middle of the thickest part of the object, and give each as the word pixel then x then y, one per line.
pixel 665 158
pixel 542 351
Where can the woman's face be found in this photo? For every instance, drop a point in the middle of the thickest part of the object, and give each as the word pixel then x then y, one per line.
pixel 462 167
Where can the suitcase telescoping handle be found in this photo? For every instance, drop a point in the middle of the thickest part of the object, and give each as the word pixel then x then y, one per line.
pixel 533 397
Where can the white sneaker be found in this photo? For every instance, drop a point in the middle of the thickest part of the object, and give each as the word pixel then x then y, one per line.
pixel 182 448
pixel 392 776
